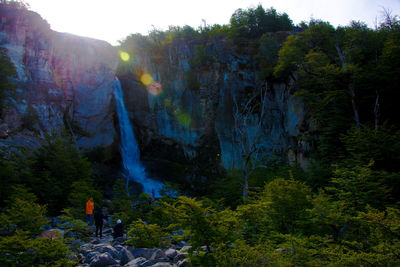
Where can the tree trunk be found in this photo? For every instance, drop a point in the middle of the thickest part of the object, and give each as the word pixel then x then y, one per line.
pixel 376 111
pixel 354 106
pixel 351 88
pixel 245 185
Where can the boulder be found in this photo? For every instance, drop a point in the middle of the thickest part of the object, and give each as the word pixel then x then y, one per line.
pixel 107 231
pixel 143 252
pixel 148 263
pixel 125 256
pixel 107 249
pixel 183 263
pixel 185 248
pixel 119 240
pixel 158 253
pixel 180 256
pixel 90 256
pixel 136 262
pixel 52 234
pixel 171 253
pixel 162 264
pixel 103 260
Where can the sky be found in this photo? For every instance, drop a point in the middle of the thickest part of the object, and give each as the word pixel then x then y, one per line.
pixel 113 20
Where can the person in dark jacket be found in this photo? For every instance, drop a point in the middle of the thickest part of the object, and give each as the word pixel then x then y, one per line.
pixel 98 221
pixel 118 229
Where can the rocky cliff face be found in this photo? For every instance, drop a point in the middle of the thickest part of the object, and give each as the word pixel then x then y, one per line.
pixel 64 82
pixel 185 115
pixel 192 117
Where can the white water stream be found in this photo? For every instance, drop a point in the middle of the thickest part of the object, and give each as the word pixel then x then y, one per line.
pixel 129 149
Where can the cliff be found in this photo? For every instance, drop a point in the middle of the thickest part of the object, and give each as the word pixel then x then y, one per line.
pixel 188 113
pixel 63 82
pixel 185 113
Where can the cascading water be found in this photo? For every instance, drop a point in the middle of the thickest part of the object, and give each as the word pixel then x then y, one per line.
pixel 129 149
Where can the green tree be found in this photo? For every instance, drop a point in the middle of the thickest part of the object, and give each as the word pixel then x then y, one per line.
pixel 146 235
pixel 23 213
pixel 122 205
pixel 358 186
pixel 55 166
pixel 288 201
pixel 9 177
pixel 21 250
pixel 381 145
pixel 80 192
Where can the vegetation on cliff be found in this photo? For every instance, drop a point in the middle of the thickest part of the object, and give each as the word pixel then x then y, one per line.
pixel 7 72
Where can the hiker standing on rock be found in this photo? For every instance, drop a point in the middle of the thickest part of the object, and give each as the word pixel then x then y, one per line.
pixel 89 211
pixel 98 221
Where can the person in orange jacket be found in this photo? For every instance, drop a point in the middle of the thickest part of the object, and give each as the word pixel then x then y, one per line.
pixel 89 211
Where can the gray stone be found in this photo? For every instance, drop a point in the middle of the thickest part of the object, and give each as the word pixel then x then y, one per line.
pixel 171 253
pixel 90 256
pixel 185 248
pixel 148 263
pixel 96 241
pixel 52 234
pixel 136 262
pixel 180 256
pixel 119 240
pixel 143 252
pixel 107 231
pixel 158 253
pixel 103 260
pixel 125 256
pixel 107 249
pixel 183 263
pixel 162 264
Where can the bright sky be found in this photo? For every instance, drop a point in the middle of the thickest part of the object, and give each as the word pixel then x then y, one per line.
pixel 113 20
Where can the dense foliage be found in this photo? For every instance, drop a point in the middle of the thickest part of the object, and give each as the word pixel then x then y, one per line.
pixel 20 225
pixel 57 173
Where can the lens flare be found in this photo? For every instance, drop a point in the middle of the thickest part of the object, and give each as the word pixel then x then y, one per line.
pixel 154 88
pixel 146 79
pixel 124 56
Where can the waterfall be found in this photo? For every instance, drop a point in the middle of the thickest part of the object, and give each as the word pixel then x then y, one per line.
pixel 129 149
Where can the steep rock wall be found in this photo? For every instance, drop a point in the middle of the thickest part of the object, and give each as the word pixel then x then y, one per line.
pixel 63 82
pixel 193 117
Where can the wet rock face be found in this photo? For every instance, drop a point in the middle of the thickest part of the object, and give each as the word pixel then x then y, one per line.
pixel 63 81
pixel 194 114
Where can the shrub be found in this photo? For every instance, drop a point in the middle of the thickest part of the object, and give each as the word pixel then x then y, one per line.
pixel 23 213
pixel 55 166
pixel 78 227
pixel 288 200
pixel 21 250
pixel 146 235
pixel 81 191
